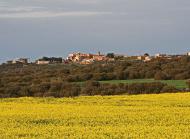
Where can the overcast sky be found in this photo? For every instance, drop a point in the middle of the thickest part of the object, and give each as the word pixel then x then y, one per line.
pixel 35 28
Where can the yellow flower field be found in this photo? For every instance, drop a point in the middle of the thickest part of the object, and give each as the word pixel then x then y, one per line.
pixel 141 116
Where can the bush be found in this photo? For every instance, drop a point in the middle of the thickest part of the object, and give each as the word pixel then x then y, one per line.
pixel 182 76
pixel 90 88
pixel 86 76
pixel 13 91
pixel 188 83
pixel 161 76
pixel 56 86
pixel 145 88
pixel 70 90
pixel 169 89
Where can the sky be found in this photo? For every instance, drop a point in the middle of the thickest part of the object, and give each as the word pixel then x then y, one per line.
pixel 36 28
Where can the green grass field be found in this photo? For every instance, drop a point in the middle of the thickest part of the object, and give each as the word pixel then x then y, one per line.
pixel 141 116
pixel 180 84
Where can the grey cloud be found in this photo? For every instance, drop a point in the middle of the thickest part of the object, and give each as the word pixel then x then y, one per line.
pixel 42 14
pixel 33 11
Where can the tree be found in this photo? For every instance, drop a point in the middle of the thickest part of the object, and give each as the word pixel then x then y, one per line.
pixel 1 83
pixel 146 54
pixel 13 91
pixel 188 83
pixel 110 55
pixel 182 76
pixel 169 89
pixel 160 76
pixel 56 86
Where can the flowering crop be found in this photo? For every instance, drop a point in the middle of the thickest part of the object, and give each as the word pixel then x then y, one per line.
pixel 141 116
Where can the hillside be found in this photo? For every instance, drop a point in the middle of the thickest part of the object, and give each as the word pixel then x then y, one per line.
pixel 61 80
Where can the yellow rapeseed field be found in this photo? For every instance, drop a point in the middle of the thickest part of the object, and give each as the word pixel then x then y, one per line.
pixel 141 116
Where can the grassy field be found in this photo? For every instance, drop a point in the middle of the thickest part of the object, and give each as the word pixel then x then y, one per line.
pixel 141 116
pixel 180 84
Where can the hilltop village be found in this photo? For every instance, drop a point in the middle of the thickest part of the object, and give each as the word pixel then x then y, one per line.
pixel 88 58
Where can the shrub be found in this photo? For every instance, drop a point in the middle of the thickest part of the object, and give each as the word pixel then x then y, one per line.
pixel 182 76
pixel 70 90
pixel 161 76
pixel 56 86
pixel 13 91
pixel 145 88
pixel 169 89
pixel 188 83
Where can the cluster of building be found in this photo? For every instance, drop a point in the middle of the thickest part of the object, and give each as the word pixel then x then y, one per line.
pixel 146 57
pixel 80 58
pixel 83 58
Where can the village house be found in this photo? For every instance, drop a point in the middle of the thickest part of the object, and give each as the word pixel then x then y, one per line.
pixel 141 57
pixel 160 55
pixel 42 62
pixel 18 61
pixel 78 57
pixel 99 57
pixel 83 58
pixel 47 60
pixel 188 54
pixel 176 56
pixel 165 56
pixel 21 60
pixel 10 62
pixel 86 61
pixel 146 57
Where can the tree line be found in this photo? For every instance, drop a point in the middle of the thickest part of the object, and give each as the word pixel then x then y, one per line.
pixel 90 88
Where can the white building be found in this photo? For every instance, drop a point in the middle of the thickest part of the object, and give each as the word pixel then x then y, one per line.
pixel 160 55
pixel 42 62
pixel 147 58
pixel 20 60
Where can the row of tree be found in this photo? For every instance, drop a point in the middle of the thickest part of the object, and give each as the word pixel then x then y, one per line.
pixel 67 89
